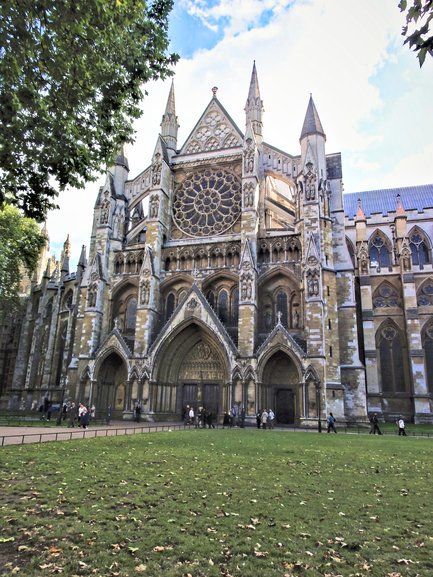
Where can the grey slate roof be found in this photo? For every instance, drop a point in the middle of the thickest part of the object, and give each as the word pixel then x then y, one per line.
pixel 385 201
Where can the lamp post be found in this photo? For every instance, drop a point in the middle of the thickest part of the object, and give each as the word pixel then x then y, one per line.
pixel 319 406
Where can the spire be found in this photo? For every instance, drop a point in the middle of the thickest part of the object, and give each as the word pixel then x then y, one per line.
pixel 121 159
pixel 67 247
pixel 312 124
pixel 169 123
pixel 82 261
pixel 254 105
pixel 399 207
pixel 254 91
pixel 360 215
pixel 65 256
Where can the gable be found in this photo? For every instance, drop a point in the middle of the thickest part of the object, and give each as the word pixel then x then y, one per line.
pixel 214 131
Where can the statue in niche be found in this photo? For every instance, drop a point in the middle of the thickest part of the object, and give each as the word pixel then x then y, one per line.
pixel 248 195
pixel 295 319
pixel 154 206
pixel 247 286
pixel 156 170
pixel 364 265
pixel 145 292
pixel 313 286
pixel 105 210
pixel 249 159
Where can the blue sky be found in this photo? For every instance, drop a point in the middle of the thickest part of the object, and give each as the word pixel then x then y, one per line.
pixel 373 99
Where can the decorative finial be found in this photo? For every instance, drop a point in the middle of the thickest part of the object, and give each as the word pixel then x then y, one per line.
pixel 279 315
pixel 214 91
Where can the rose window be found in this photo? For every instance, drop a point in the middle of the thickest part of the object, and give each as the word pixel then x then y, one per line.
pixel 207 202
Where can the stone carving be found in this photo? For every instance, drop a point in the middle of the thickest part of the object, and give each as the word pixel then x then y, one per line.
pixel 145 292
pixel 310 179
pixel 193 304
pixel 153 206
pixel 156 170
pixel 249 158
pixel 248 194
pixel 246 285
pixel 313 283
pixel 105 211
pixel 91 295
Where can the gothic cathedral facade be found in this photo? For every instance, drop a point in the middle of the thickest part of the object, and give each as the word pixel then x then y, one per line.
pixel 231 273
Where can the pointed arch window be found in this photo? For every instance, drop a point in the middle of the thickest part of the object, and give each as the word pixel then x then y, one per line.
pixel 419 250
pixel 386 296
pixel 379 252
pixel 392 360
pixel 428 355
pixel 130 315
pixel 235 306
pixel 282 307
pixel 223 302
pixel 169 306
pixel 425 295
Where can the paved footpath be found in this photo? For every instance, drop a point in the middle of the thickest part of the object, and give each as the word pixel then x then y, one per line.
pixel 38 434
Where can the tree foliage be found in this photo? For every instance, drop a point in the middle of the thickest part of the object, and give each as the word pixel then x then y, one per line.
pixel 20 244
pixel 417 30
pixel 71 77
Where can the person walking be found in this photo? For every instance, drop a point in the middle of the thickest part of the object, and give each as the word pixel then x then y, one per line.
pixel 375 425
pixel 258 419
pixel 331 423
pixel 72 414
pixel 264 419
pixel 401 426
pixel 271 418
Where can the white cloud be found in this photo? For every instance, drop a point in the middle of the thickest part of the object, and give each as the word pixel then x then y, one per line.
pixel 372 99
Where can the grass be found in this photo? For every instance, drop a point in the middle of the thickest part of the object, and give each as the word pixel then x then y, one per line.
pixel 212 503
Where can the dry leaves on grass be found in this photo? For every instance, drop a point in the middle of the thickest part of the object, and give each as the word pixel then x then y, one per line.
pixel 161 548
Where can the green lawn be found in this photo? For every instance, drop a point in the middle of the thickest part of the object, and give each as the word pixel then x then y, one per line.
pixel 241 503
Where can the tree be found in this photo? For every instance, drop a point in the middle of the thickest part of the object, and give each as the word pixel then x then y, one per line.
pixel 419 14
pixel 20 249
pixel 71 76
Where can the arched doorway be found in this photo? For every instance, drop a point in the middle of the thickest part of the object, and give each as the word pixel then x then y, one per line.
pixel 111 385
pixel 280 388
pixel 190 370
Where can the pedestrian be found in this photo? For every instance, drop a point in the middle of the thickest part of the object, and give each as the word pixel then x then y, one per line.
pixel 258 419
pixel 108 416
pixel 331 423
pixel 72 414
pixel 401 426
pixel 375 425
pixel 64 411
pixel 234 415
pixel 226 420
pixel 243 417
pixel 137 412
pixel 83 419
pixel 271 418
pixel 264 419
pixel 191 416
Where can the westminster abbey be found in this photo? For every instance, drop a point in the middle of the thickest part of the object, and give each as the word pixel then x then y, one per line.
pixel 231 273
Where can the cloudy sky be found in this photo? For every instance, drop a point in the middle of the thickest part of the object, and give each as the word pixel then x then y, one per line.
pixel 373 99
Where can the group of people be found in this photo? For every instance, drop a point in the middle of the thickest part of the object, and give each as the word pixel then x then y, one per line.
pixel 79 414
pixel 201 418
pixel 374 421
pixel 265 419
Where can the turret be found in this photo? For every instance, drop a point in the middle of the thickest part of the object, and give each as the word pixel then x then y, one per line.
pixel 313 140
pixel 120 171
pixel 254 107
pixel 65 257
pixel 169 125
